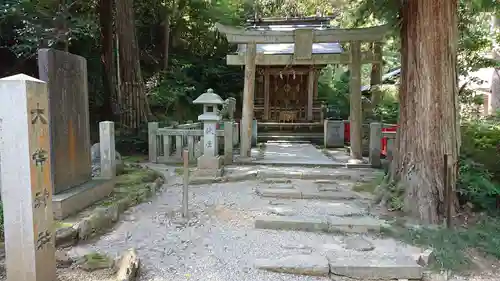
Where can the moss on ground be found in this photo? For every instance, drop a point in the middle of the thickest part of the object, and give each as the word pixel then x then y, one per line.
pixel 453 247
pixel 131 186
pixel 369 187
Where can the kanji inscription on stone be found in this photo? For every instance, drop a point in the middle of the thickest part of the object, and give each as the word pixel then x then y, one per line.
pixel 37 115
pixel 44 238
pixel 39 156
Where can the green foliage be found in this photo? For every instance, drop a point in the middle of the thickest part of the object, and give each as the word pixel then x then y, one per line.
pixel 333 88
pixel 479 172
pixel 387 109
pixel 451 246
pixel 476 186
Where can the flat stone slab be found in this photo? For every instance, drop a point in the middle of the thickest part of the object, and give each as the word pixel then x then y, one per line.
pixel 358 244
pixel 337 224
pixel 282 186
pixel 297 194
pixel 368 270
pixel 291 223
pixel 314 265
pixel 280 193
pixel 276 180
pixel 329 195
pixel 292 153
pixel 354 224
pixel 281 211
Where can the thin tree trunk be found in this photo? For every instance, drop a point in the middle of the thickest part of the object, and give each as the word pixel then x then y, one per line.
pixel 428 113
pixel 134 107
pixel 105 9
pixel 495 80
pixel 375 75
pixel 166 40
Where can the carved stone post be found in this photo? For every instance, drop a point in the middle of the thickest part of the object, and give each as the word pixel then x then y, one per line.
pixel 375 144
pixel 26 178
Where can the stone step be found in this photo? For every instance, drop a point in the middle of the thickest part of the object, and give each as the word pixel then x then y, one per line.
pixel 311 224
pixel 290 193
pixel 314 265
pixel 402 268
pixel 360 269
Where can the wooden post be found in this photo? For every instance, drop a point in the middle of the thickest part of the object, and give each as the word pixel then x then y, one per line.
pixel 26 179
pixel 266 93
pixel 448 189
pixel 355 103
pixel 310 93
pixel 248 93
pixel 153 142
pixel 185 195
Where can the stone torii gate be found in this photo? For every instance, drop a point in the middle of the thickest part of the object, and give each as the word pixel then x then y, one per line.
pixel 303 38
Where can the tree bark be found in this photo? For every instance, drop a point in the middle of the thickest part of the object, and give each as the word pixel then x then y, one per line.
pixel 428 110
pixel 105 9
pixel 376 74
pixel 495 79
pixel 134 108
pixel 166 40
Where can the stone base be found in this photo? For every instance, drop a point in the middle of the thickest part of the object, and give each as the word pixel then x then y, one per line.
pixel 210 162
pixel 205 174
pixel 78 198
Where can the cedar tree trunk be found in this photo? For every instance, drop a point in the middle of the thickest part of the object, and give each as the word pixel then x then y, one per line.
pixel 428 110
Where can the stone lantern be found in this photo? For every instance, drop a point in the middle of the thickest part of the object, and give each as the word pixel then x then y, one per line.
pixel 210 117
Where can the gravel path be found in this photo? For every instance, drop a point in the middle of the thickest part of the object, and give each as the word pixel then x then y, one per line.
pixel 218 243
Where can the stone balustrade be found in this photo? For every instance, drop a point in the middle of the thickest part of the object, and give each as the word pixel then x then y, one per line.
pixel 166 144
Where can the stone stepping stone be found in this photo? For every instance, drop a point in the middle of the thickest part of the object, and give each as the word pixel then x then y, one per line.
pixel 329 188
pixel 280 193
pixel 314 265
pixel 397 268
pixel 355 224
pixel 282 186
pixel 277 180
pixel 358 244
pixel 329 195
pixel 281 211
pixel 291 223
pixel 311 224
pixel 297 194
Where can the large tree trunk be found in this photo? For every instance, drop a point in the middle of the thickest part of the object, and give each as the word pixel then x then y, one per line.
pixel 134 109
pixel 428 114
pixel 105 9
pixel 495 80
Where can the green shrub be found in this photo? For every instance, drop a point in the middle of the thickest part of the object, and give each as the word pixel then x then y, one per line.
pixel 387 107
pixel 480 143
pixel 475 185
pixel 479 172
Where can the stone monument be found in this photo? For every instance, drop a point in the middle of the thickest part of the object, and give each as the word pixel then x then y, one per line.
pixel 334 133
pixel 210 159
pixel 26 179
pixel 74 187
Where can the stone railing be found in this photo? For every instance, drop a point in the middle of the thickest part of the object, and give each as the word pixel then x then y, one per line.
pixel 166 144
